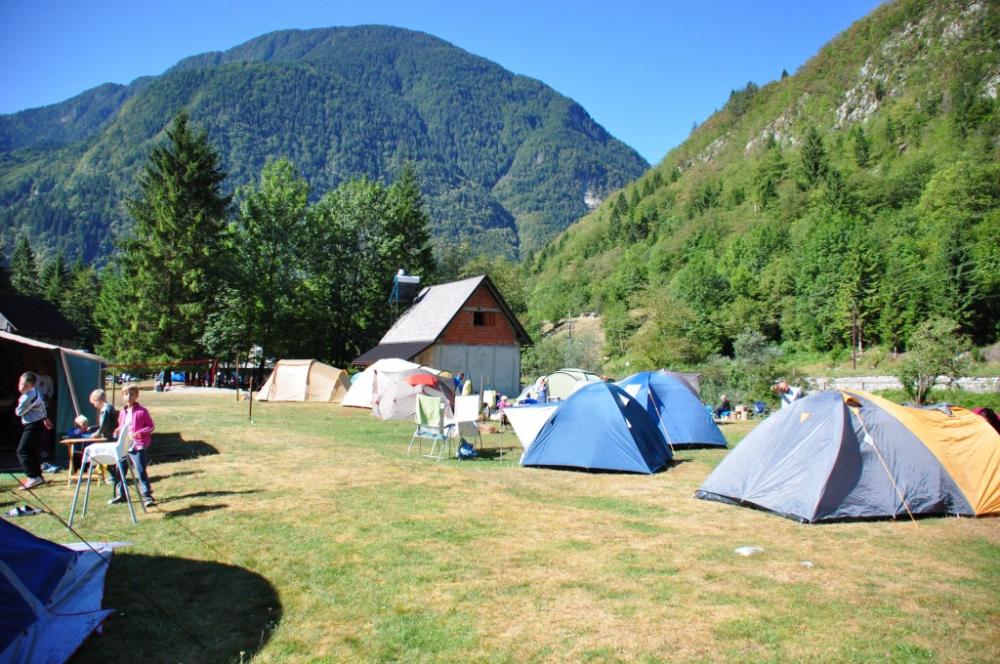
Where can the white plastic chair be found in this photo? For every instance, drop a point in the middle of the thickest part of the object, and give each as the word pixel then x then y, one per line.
pixel 466 412
pixel 109 454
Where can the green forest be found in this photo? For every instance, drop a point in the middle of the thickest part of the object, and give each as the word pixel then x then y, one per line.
pixel 504 161
pixel 845 205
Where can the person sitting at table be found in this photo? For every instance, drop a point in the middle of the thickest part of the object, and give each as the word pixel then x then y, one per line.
pixel 82 425
pixel 724 408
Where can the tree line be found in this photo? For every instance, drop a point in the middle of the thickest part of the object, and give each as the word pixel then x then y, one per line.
pixel 206 273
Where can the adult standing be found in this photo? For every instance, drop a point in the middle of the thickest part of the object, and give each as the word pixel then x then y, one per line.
pixel 787 393
pixel 31 409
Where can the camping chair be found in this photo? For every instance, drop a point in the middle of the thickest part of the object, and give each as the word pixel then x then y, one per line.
pixel 466 412
pixel 111 454
pixel 759 408
pixel 431 426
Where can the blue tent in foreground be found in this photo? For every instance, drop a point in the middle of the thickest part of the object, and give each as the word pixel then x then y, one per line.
pixel 50 597
pixel 600 427
pixel 675 407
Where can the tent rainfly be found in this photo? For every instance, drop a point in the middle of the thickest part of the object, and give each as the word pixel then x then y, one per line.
pixel 675 407
pixel 50 597
pixel 600 427
pixel 851 455
pixel 304 380
pixel 562 383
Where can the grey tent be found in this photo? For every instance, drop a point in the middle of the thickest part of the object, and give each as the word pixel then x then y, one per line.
pixel 850 455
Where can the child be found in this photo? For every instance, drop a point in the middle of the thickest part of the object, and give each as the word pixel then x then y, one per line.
pixel 31 409
pixel 81 428
pixel 107 416
pixel 140 424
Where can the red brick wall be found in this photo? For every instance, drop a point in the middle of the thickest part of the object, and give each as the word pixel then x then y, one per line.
pixel 462 331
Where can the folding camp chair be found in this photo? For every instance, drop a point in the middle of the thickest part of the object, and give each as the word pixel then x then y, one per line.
pixel 111 454
pixel 466 412
pixel 431 426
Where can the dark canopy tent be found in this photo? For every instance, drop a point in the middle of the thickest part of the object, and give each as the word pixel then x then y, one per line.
pixel 70 376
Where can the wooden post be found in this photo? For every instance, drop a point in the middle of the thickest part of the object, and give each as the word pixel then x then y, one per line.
pixel 251 400
pixel 237 377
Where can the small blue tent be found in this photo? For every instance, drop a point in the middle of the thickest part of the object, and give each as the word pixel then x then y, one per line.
pixel 675 407
pixel 600 427
pixel 50 597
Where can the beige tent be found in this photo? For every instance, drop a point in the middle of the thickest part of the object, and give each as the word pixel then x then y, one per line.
pixel 304 380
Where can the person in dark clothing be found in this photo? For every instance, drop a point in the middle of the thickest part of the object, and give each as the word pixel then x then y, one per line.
pixel 724 407
pixel 107 416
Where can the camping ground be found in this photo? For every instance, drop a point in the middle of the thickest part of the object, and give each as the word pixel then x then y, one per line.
pixel 310 536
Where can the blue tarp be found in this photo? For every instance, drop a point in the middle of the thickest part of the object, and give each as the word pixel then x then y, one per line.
pixel 600 427
pixel 675 407
pixel 50 597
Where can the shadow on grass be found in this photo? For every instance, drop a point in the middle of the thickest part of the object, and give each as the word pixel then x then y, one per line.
pixel 170 447
pixel 204 612
pixel 181 473
pixel 207 494
pixel 191 510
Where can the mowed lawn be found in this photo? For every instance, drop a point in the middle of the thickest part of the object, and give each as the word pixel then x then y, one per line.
pixel 310 536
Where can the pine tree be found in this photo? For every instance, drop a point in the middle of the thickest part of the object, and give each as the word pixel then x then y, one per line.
pixel 410 221
pixel 813 158
pixel 23 269
pixel 176 258
pixel 55 280
pixel 862 147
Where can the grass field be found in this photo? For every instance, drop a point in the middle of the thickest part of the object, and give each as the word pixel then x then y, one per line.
pixel 310 536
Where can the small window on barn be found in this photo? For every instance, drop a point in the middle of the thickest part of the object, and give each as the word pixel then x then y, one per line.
pixel 483 318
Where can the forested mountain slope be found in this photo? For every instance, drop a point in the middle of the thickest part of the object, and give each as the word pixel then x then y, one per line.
pixel 860 195
pixel 505 161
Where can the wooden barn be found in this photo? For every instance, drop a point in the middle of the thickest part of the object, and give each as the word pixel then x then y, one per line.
pixel 461 326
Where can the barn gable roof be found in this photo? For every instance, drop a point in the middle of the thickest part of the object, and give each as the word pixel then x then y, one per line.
pixel 432 312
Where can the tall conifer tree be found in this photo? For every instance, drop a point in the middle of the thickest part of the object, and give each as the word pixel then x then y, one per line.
pixel 177 258
pixel 23 268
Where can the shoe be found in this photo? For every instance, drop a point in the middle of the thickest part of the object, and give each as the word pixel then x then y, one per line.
pixel 116 500
pixel 148 502
pixel 32 482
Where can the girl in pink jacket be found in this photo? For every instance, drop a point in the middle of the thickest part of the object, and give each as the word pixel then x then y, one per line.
pixel 140 423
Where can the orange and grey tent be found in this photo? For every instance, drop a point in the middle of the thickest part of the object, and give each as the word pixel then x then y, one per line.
pixel 852 455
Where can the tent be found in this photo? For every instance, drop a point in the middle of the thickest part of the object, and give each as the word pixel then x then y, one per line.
pixel 396 398
pixel 362 388
pixel 851 455
pixel 675 407
pixel 562 383
pixel 692 379
pixel 600 427
pixel 528 420
pixel 67 377
pixel 50 597
pixel 304 380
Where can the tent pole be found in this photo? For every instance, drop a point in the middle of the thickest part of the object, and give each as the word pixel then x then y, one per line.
pixel 871 441
pixel 69 381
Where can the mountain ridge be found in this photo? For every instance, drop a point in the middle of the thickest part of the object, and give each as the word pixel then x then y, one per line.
pixel 505 161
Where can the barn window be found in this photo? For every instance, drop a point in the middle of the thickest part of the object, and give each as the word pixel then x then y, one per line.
pixel 483 318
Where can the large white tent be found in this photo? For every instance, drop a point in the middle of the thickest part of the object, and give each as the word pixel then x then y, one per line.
pixel 363 386
pixel 304 380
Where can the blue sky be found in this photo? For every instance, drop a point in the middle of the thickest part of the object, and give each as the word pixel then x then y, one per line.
pixel 644 70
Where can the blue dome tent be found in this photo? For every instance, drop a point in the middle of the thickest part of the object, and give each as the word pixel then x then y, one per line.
pixel 600 427
pixel 676 409
pixel 50 597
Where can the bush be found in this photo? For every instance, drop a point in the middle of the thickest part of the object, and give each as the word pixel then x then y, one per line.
pixel 936 348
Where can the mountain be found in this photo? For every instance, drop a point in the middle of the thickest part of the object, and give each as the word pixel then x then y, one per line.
pixel 847 203
pixel 505 161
